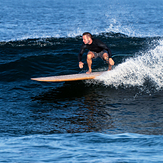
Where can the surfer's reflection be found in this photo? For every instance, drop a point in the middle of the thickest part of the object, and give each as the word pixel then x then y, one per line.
pixel 81 110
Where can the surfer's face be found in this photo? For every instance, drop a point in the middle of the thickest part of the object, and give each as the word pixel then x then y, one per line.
pixel 86 39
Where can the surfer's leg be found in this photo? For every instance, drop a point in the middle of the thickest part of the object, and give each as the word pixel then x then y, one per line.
pixel 90 56
pixel 108 60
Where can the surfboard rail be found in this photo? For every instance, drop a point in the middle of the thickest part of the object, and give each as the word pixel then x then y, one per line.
pixel 72 77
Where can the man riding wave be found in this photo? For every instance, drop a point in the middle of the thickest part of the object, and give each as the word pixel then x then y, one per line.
pixel 96 49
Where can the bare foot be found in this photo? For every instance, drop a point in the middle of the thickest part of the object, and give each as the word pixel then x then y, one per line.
pixel 88 72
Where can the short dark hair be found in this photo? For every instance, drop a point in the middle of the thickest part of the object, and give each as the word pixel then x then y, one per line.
pixel 88 34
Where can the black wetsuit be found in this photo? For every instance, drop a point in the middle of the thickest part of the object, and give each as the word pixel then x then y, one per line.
pixel 96 46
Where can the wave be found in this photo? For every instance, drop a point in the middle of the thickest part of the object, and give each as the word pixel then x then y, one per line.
pixel 57 56
pixel 112 26
pixel 52 41
pixel 143 71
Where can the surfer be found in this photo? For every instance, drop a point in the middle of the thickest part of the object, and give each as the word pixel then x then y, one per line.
pixel 96 49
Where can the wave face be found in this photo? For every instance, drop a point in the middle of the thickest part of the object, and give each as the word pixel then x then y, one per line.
pixel 55 56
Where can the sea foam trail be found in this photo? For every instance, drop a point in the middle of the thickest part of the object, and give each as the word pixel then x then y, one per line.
pixel 147 67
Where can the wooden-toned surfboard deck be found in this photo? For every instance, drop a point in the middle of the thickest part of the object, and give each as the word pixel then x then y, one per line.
pixel 73 77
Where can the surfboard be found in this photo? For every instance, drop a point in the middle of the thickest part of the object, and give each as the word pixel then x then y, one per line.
pixel 73 77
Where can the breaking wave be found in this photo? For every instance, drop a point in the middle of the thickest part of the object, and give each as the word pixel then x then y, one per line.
pixel 143 71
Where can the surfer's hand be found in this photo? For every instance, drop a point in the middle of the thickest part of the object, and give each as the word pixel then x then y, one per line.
pixel 81 64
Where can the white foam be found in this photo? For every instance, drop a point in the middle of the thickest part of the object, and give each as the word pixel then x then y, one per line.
pixel 116 27
pixel 135 71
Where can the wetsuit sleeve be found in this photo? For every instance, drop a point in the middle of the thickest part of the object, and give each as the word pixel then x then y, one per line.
pixel 81 53
pixel 105 47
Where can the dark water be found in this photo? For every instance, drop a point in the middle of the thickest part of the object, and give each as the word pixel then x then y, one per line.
pixel 116 118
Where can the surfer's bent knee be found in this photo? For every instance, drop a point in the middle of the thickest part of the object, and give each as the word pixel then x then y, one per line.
pixel 90 55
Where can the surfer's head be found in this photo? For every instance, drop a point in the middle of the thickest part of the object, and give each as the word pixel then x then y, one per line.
pixel 87 38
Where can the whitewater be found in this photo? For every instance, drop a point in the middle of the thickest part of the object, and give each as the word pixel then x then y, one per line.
pixel 136 71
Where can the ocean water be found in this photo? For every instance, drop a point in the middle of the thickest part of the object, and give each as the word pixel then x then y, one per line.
pixel 118 117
